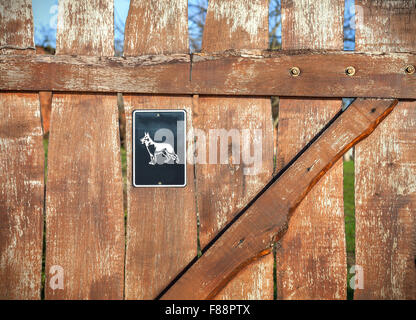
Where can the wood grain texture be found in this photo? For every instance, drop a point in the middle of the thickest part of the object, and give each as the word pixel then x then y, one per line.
pixel 16 27
pixel 161 224
pixel 394 20
pixel 311 261
pixel 385 193
pixel 266 219
pixel 309 24
pixel 236 72
pixel 21 167
pixel 311 258
pixel 156 27
pixel 21 196
pixel 45 100
pixel 236 25
pixel 84 198
pixel 85 27
pixel 224 188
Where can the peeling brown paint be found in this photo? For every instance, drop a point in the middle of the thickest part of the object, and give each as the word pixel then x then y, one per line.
pixel 385 168
pixel 84 201
pixel 236 25
pixel 224 189
pixel 21 167
pixel 161 224
pixel 84 194
pixel 311 259
pixel 90 33
pixel 155 27
pixel 235 72
pixel 21 196
pixel 16 27
pixel 269 215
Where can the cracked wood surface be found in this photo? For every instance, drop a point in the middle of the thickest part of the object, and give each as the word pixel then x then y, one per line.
pixel 311 258
pixel 161 223
pixel 16 27
pixel 233 72
pixel 266 219
pixel 385 169
pixel 84 194
pixel 156 27
pixel 21 167
pixel 224 188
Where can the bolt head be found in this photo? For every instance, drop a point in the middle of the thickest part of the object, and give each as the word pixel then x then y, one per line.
pixel 294 71
pixel 350 71
pixel 410 69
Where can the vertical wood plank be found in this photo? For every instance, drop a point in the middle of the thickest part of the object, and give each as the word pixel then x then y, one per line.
pixel 84 198
pixel 161 224
pixel 21 163
pixel 21 167
pixel 16 27
pixel 21 196
pixel 311 258
pixel 385 168
pixel 223 189
pixel 156 27
pixel 236 25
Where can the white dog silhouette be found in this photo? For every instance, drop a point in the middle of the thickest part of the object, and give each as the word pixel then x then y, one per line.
pixel 164 149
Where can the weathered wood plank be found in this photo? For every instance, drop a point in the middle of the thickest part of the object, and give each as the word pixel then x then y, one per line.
pixel 224 188
pixel 147 25
pixel 21 196
pixel 393 19
pixel 21 167
pixel 236 25
pixel 161 224
pixel 311 258
pixel 385 167
pixel 16 28
pixel 79 31
pixel 267 217
pixel 84 199
pixel 236 72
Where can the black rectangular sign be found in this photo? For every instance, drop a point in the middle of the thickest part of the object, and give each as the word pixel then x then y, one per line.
pixel 159 148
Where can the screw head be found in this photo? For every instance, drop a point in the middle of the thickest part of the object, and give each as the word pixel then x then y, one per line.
pixel 410 69
pixel 350 71
pixel 294 71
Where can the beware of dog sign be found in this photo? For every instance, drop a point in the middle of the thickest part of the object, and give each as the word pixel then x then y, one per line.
pixel 159 148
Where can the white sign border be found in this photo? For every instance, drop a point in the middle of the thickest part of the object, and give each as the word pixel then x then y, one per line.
pixel 134 148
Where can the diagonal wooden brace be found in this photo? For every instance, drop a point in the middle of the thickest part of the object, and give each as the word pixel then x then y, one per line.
pixel 265 219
